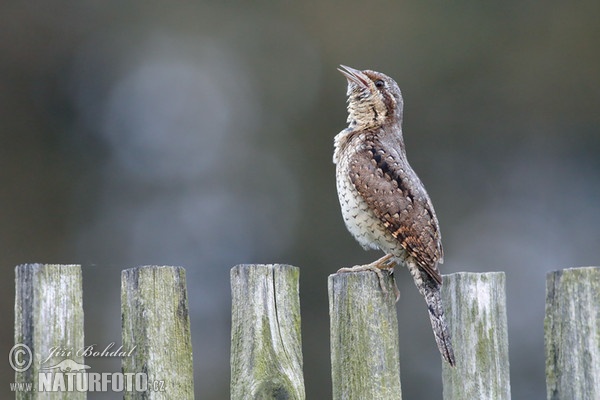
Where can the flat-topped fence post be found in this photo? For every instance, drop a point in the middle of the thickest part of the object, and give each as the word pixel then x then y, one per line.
pixel 364 337
pixel 48 316
pixel 266 348
pixel 572 334
pixel 475 306
pixel 156 330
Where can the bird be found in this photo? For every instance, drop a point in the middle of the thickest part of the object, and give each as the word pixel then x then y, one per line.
pixel 384 204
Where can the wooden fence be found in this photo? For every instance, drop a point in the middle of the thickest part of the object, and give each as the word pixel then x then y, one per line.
pixel 266 351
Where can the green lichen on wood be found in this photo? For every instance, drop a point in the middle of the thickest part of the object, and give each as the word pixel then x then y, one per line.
pixel 48 315
pixel 266 347
pixel 572 333
pixel 475 307
pixel 364 337
pixel 156 327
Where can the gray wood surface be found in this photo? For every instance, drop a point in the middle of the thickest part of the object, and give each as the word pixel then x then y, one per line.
pixel 475 305
pixel 364 337
pixel 572 334
pixel 48 316
pixel 156 323
pixel 266 348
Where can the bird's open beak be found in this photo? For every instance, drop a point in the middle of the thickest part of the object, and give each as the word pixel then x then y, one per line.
pixel 355 76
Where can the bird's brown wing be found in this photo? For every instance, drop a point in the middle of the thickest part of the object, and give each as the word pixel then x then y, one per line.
pixel 394 192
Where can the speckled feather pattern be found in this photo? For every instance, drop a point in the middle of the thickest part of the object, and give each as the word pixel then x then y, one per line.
pixel 384 204
pixel 383 194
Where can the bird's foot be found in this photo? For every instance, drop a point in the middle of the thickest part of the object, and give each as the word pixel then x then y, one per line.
pixel 366 267
pixel 386 262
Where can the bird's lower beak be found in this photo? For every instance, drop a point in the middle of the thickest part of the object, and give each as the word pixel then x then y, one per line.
pixel 355 76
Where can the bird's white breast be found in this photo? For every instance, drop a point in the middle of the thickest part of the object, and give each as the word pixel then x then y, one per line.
pixel 359 219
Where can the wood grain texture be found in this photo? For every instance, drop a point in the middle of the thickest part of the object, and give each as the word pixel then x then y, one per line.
pixel 476 308
pixel 364 337
pixel 572 334
pixel 48 315
pixel 266 347
pixel 156 323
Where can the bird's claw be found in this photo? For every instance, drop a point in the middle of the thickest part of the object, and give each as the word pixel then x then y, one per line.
pixel 367 267
pixel 386 262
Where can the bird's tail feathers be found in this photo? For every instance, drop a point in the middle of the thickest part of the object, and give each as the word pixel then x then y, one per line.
pixel 432 292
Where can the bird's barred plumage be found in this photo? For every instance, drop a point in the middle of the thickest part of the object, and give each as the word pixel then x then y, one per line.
pixel 384 204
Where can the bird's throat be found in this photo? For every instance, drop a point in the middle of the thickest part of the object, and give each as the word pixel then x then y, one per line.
pixel 366 112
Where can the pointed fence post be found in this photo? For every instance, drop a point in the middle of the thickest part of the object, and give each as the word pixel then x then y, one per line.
pixel 364 337
pixel 266 348
pixel 475 305
pixel 572 333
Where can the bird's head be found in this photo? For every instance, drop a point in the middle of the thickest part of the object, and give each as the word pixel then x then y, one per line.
pixel 374 99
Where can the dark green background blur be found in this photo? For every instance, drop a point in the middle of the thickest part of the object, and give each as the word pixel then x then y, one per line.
pixel 201 135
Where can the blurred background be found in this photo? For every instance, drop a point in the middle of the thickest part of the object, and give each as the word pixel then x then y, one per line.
pixel 201 134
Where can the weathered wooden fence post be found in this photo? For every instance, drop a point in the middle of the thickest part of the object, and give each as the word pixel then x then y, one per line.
pixel 475 306
pixel 156 323
pixel 364 337
pixel 48 315
pixel 572 334
pixel 266 348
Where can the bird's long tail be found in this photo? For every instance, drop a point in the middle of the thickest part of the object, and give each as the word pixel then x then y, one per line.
pixel 432 292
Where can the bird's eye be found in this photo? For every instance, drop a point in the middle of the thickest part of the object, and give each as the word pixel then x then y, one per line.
pixel 379 83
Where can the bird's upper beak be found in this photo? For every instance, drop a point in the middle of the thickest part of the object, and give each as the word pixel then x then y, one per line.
pixel 355 76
